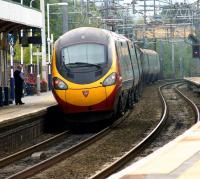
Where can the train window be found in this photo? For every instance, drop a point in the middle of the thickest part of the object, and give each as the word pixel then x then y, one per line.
pixel 124 60
pixel 84 53
pixel 121 57
pixel 134 62
pixel 127 61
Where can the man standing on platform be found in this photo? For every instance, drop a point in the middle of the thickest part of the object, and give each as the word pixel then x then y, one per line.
pixel 19 83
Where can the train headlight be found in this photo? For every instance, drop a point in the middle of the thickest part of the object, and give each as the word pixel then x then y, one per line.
pixel 59 84
pixel 110 80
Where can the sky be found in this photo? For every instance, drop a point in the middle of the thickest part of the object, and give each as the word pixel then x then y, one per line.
pixel 174 1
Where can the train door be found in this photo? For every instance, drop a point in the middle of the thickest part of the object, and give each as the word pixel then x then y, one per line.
pixel 152 66
pixel 148 73
pixel 125 64
pixel 137 55
pixel 145 65
pixel 155 67
pixel 150 61
pixel 158 67
pixel 137 89
pixel 125 70
pixel 134 64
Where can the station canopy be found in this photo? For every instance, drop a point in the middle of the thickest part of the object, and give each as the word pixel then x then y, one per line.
pixel 14 17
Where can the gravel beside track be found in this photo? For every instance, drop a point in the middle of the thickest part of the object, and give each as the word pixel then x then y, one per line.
pixel 181 118
pixel 146 113
pixel 194 96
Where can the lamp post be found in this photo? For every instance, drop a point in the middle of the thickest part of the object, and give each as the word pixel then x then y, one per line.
pixel 38 71
pixel 31 46
pixel 11 44
pixel 22 50
pixel 43 33
pixel 49 40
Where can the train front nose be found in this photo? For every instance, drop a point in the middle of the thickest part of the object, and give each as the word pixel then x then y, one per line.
pixel 82 100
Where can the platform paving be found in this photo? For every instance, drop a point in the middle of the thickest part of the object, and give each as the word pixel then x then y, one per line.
pixel 179 159
pixel 33 105
pixel 193 80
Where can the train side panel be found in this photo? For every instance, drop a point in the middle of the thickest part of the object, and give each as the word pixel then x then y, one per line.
pixel 150 65
pixel 135 64
pixel 155 66
pixel 126 73
pixel 145 66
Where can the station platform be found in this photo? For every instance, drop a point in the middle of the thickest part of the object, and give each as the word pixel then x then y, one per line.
pixel 193 83
pixel 178 159
pixel 193 80
pixel 33 105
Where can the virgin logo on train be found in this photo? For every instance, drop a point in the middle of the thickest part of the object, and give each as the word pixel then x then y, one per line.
pixel 85 93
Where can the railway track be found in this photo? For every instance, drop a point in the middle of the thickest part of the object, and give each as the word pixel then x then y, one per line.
pixel 27 130
pixel 147 140
pixel 23 153
pixel 82 164
pixel 79 147
pixel 192 101
pixel 30 171
pixel 192 96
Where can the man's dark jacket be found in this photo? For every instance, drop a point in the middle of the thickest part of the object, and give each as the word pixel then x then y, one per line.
pixel 18 80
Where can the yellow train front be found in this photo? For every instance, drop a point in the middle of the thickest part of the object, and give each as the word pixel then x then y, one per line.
pixel 85 71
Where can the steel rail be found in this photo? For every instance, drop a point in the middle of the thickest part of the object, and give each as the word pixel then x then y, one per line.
pixel 194 106
pixel 136 150
pixel 23 153
pixel 61 156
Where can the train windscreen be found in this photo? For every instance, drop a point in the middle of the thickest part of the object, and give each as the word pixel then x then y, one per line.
pixel 84 63
pixel 88 53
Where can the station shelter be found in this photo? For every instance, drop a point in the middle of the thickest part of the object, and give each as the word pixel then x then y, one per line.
pixel 14 19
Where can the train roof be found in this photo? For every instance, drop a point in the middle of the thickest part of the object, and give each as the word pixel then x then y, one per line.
pixel 148 51
pixel 119 36
pixel 89 34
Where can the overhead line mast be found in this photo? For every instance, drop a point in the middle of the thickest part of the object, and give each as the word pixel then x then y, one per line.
pixel 117 16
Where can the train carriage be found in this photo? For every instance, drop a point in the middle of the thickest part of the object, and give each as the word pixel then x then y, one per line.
pixel 95 70
pixel 150 65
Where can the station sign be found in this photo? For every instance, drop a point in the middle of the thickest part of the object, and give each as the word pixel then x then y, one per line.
pixel 11 39
pixel 36 40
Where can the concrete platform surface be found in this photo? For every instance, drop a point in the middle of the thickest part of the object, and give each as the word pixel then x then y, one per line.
pixel 178 159
pixel 33 104
pixel 194 80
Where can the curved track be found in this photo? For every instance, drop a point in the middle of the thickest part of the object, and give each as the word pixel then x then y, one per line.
pixel 114 166
pixel 194 106
pixel 146 141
